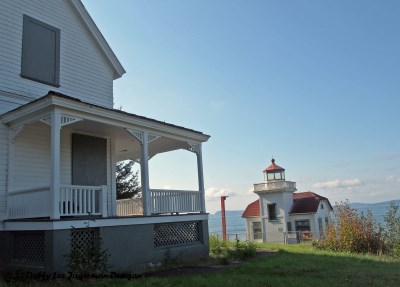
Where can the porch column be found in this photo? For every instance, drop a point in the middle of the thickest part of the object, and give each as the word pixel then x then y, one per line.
pixel 144 172
pixel 12 134
pixel 55 165
pixel 196 148
pixel 144 138
pixel 201 177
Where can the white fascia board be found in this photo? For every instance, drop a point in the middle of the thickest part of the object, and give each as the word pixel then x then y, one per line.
pixel 98 37
pixel 94 113
pixel 14 117
pixel 99 222
pixel 126 121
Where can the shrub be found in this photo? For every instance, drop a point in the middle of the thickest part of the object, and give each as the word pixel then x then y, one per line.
pixel 243 250
pixel 217 247
pixel 225 253
pixel 89 257
pixel 352 232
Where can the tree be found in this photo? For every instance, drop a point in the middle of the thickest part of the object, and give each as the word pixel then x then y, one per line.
pixel 392 229
pixel 127 180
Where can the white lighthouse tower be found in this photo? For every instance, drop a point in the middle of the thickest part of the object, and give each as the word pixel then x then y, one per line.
pixel 275 200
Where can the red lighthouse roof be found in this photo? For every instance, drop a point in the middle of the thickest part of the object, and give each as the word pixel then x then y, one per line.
pixel 303 202
pixel 252 210
pixel 273 166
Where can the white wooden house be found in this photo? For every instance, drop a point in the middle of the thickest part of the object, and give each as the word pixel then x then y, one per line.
pixel 283 215
pixel 60 140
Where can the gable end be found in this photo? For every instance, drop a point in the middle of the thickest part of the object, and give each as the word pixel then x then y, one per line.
pixel 98 37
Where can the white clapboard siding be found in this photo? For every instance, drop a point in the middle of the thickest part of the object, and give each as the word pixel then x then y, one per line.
pixel 32 157
pixel 84 71
pixel 3 168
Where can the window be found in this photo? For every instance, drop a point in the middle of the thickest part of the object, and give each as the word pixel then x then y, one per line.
pixel 40 52
pixel 322 206
pixel 277 175
pixel 272 211
pixel 289 226
pixel 303 225
pixel 320 227
pixel 257 232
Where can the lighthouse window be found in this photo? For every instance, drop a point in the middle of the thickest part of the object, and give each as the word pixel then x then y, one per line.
pixel 276 175
pixel 272 212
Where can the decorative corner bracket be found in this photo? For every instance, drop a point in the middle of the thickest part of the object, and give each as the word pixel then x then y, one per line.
pixel 194 147
pixel 140 135
pixel 64 121
pixel 67 120
pixel 151 137
pixel 136 134
pixel 14 132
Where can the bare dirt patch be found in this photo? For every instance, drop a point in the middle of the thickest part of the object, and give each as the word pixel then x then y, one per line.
pixel 201 269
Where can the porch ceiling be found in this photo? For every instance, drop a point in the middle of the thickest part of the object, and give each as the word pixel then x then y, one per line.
pixel 106 122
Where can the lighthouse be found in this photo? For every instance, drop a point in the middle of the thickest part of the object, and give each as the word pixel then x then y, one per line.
pixel 283 215
pixel 275 201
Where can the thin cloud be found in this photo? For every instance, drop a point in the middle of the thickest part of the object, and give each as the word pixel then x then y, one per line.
pixel 333 184
pixel 388 157
pixel 250 190
pixel 214 192
pixel 393 178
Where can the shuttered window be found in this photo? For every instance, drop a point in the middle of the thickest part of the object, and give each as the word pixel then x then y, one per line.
pixel 40 52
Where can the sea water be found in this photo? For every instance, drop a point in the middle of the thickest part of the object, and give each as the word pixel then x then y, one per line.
pixel 236 225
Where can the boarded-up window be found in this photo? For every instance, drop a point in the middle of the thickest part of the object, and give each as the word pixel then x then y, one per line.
pixel 40 52
pixel 89 160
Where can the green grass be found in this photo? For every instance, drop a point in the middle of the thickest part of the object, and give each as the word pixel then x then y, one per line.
pixel 291 265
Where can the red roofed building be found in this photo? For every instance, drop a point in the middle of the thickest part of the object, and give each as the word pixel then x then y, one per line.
pixel 280 212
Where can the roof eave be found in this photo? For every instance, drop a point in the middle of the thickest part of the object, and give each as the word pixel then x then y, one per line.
pixel 99 38
pixel 301 213
pixel 52 99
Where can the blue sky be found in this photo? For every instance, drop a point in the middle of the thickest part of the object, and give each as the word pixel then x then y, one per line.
pixel 314 83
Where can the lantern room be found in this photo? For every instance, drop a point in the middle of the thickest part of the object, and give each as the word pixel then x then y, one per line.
pixel 274 172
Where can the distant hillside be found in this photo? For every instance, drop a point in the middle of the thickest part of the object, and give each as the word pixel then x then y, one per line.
pixel 230 213
pixel 373 205
pixel 378 210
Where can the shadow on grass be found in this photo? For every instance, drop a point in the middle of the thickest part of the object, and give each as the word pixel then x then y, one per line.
pixel 290 266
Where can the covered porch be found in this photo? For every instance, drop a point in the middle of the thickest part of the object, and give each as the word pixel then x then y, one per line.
pixel 62 157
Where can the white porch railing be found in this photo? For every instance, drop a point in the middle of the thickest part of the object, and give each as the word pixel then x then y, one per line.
pixel 275 185
pixel 82 200
pixel 130 206
pixel 29 203
pixel 169 201
pixel 74 201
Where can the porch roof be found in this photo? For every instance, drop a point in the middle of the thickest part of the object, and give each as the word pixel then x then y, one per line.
pixel 10 115
pixel 102 121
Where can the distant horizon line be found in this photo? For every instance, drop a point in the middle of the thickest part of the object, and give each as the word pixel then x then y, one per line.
pixel 351 203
